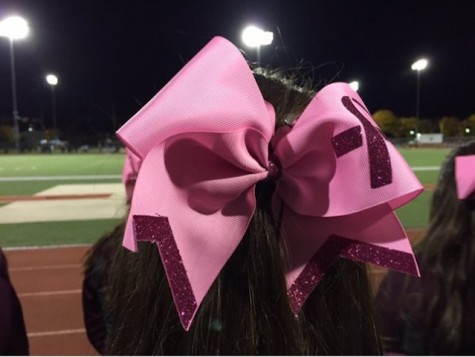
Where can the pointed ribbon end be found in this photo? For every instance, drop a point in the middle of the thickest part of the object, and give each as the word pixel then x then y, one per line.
pixel 337 246
pixel 156 229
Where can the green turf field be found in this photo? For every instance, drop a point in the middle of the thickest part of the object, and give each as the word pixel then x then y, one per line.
pixel 60 164
pixel 414 215
pixel 54 165
pixel 57 233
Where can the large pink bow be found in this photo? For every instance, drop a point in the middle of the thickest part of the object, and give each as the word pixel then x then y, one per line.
pixel 204 140
pixel 465 176
pixel 129 172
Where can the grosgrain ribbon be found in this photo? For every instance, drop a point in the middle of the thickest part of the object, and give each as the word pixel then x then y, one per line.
pixel 129 172
pixel 465 176
pixel 204 142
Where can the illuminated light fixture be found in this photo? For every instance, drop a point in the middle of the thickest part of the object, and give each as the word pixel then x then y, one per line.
pixel 14 27
pixel 52 79
pixel 420 65
pixel 253 36
pixel 355 85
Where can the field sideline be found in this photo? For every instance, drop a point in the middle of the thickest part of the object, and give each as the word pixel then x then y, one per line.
pixel 27 175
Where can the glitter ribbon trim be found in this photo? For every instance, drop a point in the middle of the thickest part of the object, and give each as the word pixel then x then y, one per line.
pixel 157 230
pixel 337 246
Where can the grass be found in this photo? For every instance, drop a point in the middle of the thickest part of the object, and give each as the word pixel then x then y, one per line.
pixel 60 164
pixel 53 233
pixel 424 157
pixel 413 215
pixel 416 213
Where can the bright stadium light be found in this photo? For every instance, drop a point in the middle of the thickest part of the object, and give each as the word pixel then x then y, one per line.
pixel 420 65
pixel 355 85
pixel 253 36
pixel 14 27
pixel 52 79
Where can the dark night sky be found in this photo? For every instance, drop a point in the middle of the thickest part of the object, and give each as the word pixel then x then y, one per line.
pixel 117 54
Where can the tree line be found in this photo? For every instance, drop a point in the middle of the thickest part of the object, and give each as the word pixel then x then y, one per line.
pixel 403 127
pixel 392 125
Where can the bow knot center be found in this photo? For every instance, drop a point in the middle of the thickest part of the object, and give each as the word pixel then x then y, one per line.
pixel 274 168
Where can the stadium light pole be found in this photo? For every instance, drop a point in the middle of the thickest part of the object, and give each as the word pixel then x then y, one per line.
pixel 253 36
pixel 419 66
pixel 52 80
pixel 14 28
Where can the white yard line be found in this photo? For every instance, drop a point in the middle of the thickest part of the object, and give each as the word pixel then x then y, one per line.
pixel 58 178
pixel 426 168
pixel 35 247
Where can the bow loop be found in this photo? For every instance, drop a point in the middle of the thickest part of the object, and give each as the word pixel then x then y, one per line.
pixel 129 172
pixel 337 162
pixel 131 167
pixel 465 176
pixel 208 95
pixel 214 169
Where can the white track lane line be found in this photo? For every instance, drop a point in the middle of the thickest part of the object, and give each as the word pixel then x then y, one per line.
pixel 47 267
pixel 50 293
pixel 54 333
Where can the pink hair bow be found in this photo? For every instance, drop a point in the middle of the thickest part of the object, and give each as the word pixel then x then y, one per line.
pixel 129 172
pixel 204 140
pixel 465 176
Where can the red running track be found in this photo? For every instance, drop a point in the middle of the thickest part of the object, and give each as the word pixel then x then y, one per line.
pixel 48 282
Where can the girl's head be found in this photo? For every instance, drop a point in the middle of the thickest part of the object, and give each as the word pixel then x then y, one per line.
pixel 452 223
pixel 447 253
pixel 242 249
pixel 246 310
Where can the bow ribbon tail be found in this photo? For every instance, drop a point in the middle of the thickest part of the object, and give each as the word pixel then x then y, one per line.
pixel 158 230
pixel 198 233
pixel 372 236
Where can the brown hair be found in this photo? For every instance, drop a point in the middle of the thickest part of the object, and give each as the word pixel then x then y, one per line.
pixel 448 253
pixel 246 310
